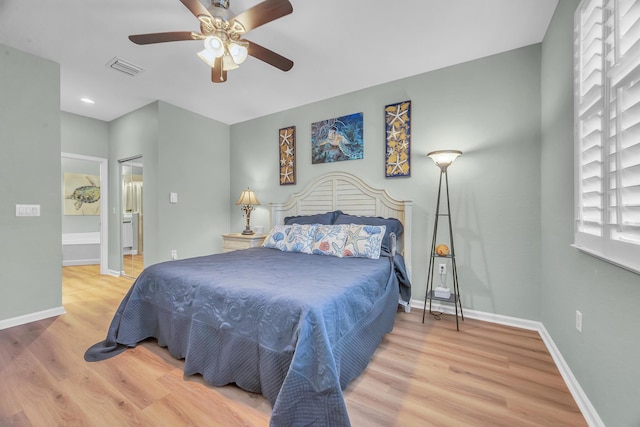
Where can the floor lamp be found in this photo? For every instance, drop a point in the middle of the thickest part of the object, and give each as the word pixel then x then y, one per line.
pixel 443 159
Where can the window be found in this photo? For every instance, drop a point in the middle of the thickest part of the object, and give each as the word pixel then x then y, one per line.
pixel 607 130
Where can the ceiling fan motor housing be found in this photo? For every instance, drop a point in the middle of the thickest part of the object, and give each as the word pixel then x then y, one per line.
pixel 220 3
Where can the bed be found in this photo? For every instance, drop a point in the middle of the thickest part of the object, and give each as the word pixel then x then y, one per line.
pixel 292 324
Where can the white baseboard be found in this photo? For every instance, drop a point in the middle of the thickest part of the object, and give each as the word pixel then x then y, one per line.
pixel 114 273
pixel 588 411
pixel 80 262
pixel 33 317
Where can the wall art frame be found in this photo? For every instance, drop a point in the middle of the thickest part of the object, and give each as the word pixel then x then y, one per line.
pixel 397 119
pixel 338 139
pixel 287 144
pixel 81 194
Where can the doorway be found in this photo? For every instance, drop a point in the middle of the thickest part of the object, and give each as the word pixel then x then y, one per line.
pixel 88 216
pixel 132 216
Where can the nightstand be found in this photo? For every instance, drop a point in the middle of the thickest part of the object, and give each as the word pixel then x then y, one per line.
pixel 236 241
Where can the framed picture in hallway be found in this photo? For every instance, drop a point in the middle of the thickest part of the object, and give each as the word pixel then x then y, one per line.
pixel 81 194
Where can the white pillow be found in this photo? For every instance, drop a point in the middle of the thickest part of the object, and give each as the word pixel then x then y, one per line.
pixel 330 240
pixel 277 236
pixel 300 238
pixel 364 241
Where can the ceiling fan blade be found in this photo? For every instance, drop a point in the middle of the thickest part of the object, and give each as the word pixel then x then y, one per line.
pixel 200 12
pixel 173 36
pixel 218 74
pixel 269 56
pixel 263 13
pixel 196 8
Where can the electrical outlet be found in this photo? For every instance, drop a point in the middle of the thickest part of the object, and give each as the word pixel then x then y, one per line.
pixel 174 254
pixel 579 321
pixel 443 268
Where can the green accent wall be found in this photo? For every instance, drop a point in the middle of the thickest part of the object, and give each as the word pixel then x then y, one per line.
pixel 31 251
pixel 604 357
pixel 489 109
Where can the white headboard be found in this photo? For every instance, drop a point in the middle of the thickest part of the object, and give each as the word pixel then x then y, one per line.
pixel 350 194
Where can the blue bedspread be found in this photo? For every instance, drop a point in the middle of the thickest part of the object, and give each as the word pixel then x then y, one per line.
pixel 296 328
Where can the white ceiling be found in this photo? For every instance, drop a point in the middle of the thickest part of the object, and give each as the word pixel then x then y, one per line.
pixel 338 46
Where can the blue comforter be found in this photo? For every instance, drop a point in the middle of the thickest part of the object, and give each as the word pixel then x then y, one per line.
pixel 296 328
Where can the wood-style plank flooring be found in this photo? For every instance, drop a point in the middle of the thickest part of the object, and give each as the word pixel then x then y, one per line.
pixel 422 375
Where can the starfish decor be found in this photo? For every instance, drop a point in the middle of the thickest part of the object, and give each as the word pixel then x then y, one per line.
pixel 287 141
pixel 398 143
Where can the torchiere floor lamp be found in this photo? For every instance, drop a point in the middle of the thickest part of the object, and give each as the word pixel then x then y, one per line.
pixel 443 159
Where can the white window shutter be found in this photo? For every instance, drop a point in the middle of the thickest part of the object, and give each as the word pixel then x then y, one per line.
pixel 607 130
pixel 589 84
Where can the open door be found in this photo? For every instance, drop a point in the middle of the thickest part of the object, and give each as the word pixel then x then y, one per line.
pixel 85 217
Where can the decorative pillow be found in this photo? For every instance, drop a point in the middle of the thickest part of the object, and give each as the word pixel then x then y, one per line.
pixel 300 238
pixel 364 241
pixel 392 225
pixel 330 240
pixel 277 236
pixel 325 218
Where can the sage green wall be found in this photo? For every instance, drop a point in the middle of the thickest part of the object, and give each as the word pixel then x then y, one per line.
pixel 193 161
pixel 31 252
pixel 604 357
pixel 88 137
pixel 489 109
pixel 184 153
pixel 134 134
pixel 84 135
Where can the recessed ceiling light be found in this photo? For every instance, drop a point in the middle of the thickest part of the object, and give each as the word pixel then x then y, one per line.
pixel 87 100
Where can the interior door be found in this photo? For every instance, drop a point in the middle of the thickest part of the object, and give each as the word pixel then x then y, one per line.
pixel 132 216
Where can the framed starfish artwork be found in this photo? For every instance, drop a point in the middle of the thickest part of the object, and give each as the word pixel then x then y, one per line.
pixel 287 143
pixel 397 119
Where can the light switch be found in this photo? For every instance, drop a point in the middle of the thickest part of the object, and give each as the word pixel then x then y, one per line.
pixel 173 197
pixel 27 210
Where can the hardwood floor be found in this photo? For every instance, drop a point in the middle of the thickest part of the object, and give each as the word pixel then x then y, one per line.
pixel 422 375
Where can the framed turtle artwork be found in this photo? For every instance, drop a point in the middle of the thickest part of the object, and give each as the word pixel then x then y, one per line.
pixel 81 194
pixel 337 139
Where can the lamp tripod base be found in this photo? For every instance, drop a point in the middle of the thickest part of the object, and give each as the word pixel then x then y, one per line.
pixel 247 232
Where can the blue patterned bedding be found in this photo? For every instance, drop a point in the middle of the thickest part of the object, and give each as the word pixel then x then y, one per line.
pixel 294 327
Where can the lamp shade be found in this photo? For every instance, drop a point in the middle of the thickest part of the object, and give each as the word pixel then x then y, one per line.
pixel 443 158
pixel 228 63
pixel 213 48
pixel 208 57
pixel 238 51
pixel 214 45
pixel 247 197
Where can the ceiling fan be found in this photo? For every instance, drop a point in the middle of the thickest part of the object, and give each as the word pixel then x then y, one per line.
pixel 225 48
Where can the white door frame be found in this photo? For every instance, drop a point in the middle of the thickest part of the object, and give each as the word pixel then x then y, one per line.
pixel 104 206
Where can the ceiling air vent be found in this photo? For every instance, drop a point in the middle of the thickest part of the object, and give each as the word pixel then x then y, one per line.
pixel 124 66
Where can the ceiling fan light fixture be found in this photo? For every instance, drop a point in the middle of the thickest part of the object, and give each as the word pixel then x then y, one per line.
pixel 239 51
pixel 207 57
pixel 214 45
pixel 228 63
